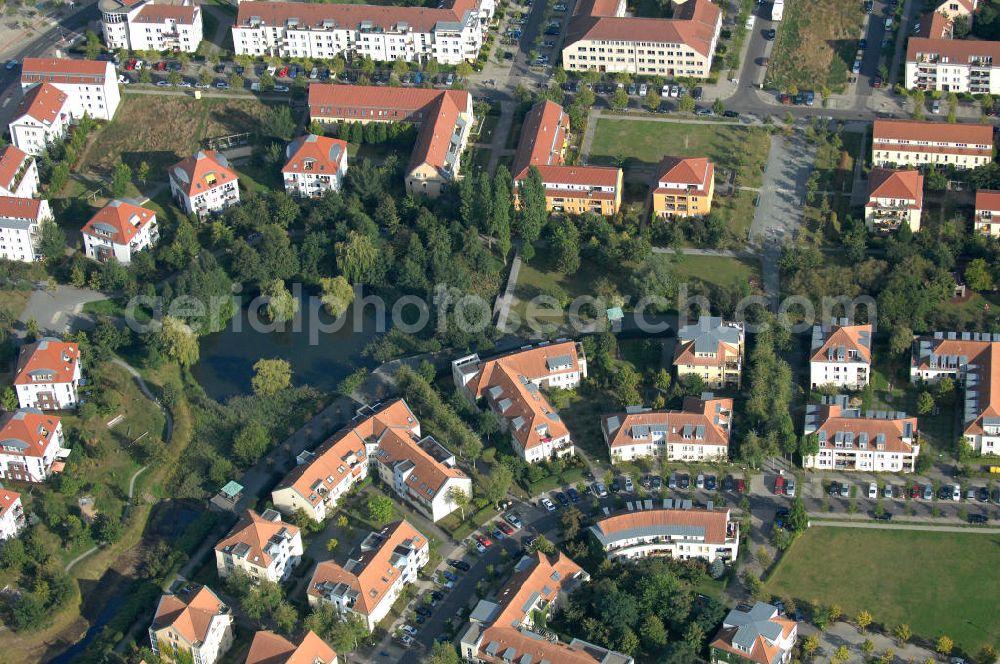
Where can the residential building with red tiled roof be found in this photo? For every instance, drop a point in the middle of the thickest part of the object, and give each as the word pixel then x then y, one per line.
pixel 31 445
pixel 600 36
pixel 510 385
pixel 916 143
pixel 700 431
pixel 260 545
pixel 151 25
pixel 503 629
pixel 369 584
pixel 841 355
pixel 953 65
pixel 90 85
pixel 191 621
pixel 48 375
pixel 204 183
pixel 316 165
pixel 683 534
pixel 20 227
pixel 118 230
pixel 754 635
pixel 444 117
pixel 987 215
pixel 711 349
pixel 895 197
pixel 42 118
pixel 684 187
pixel 451 33
pixel 852 440
pixel 18 173
pixel 271 648
pixel 12 519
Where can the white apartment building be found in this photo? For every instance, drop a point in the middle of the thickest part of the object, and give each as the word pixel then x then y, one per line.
pixel 31 445
pixel 757 635
pixel 953 65
pixel 316 165
pixel 711 349
pixel 449 35
pixel 138 25
pixel 698 432
pixel 260 545
pixel 204 183
pixel 18 173
pixel 12 519
pixel 895 197
pixel 683 534
pixel 42 118
pixel 987 215
pixel 20 227
pixel 841 355
pixel 897 143
pixel 368 585
pixel 90 85
pixel 119 230
pixel 873 441
pixel 191 623
pixel 48 375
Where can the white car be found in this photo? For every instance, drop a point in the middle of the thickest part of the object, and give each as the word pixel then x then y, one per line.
pixel 123 79
pixel 643 89
pixel 790 488
pixel 956 493
pixel 271 69
pixel 409 629
pixel 665 92
pixel 872 491
pixel 479 546
pixel 548 504
pixel 406 640
pixel 675 91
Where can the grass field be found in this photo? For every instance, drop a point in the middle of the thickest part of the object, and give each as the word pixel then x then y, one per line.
pixel 816 43
pixel 716 270
pixel 938 583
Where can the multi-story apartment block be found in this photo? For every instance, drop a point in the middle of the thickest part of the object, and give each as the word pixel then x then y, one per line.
pixel 684 187
pixel 90 85
pixel 915 143
pixel 504 630
pixel 873 441
pixel 683 534
pixel 841 355
pixel 895 197
pixel 369 584
pixel 118 230
pixel 204 183
pixel 31 445
pixel 316 165
pixel 711 349
pixel 602 37
pixel 754 635
pixel 12 519
pixel 700 431
pixel 41 119
pixel 20 227
pixel 48 375
pixel 449 35
pixel 148 25
pixel 510 385
pixel 970 359
pixel 445 119
pixel 271 648
pixel 191 624
pixel 953 65
pixel 987 219
pixel 261 546
pixel 18 173
pixel 572 189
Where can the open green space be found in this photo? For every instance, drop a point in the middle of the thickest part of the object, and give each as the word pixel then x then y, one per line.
pixel 938 583
pixel 717 270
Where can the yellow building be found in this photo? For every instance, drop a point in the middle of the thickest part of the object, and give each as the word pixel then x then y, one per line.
pixel 711 349
pixel 987 219
pixel 684 187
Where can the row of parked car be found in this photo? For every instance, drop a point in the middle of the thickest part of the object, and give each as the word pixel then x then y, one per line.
pixel 501 529
pixel 951 492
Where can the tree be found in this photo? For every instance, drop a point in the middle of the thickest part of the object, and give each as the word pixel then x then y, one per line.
pixel 900 340
pixel 986 103
pixel 179 341
pixel 498 483
pixel 266 82
pixel 925 403
pixel 278 123
pixel 29 612
pixel 174 78
pixel 92 46
pixel 236 81
pixel 867 647
pixel 902 633
pixel 809 445
pixel 686 104
pixel 543 544
pixel 271 376
pixel 918 104
pixel 652 632
pixel 565 245
pixel 281 304
pixel 663 380
pixel 863 619
pixel 810 644
pixel 52 243
pixel 652 100
pixel 798 519
pixel 358 258
pixel 443 653
pixel 533 210
pixel 286 617
pixel 106 528
pixel 142 174
pixel 717 107
pixel 500 221
pixel 978 276
pixel 619 100
pixel 337 295
pixel 841 654
pixel 459 498
pixel 380 509
pixel 8 399
pixel 251 442
pixel 464 69
pixel 944 645
pixel 952 108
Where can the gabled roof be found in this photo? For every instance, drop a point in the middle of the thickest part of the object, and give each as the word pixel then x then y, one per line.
pixel 840 427
pixel 692 171
pixel 202 172
pixel 592 176
pixel 252 537
pixel 319 155
pixel 13 207
pixel 907 185
pixel 543 134
pixel 940 132
pixel 271 648
pixel 8 499
pixel 958 51
pixel 704 421
pixel 427 476
pixel 51 360
pixel 119 221
pixel 693 25
pixel 754 634
pixel 156 13
pixel 43 103
pixel 11 161
pixel 704 525
pixel 66 70
pixel 434 139
pixel 28 430
pixel 834 341
pixel 709 342
pixel 988 200
pixel 375 17
pixel 189 612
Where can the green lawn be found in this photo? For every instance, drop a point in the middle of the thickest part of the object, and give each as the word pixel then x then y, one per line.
pixel 717 270
pixel 938 583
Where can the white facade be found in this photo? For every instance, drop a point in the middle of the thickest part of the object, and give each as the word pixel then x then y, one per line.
pixel 51 379
pixel 272 559
pixel 215 199
pixel 90 85
pixel 34 135
pixel 204 183
pixel 30 460
pixel 19 235
pixel 120 231
pixel 840 355
pixel 193 621
pixel 145 26
pixel 680 534
pixel 850 440
pixel 315 165
pixel 100 247
pixel 12 520
pixel 34 395
pixel 22 180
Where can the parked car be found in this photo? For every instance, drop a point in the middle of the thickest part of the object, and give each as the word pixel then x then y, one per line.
pixel 790 487
pixel 600 490
pixel 845 490
pixel 887 491
pixel 936 106
pixel 281 88
pixel 409 629
pixel 221 85
pixel 872 491
pixel 697 94
pixel 928 492
pixel 770 34
pixel 11 64
pixel 283 72
pixel 505 528
pixel 561 498
pixel 498 534
pixel 574 495
pixel 779 485
pixel 656 483
pixel 513 520
pixel 683 481
pixel 699 482
pixel 978 518
pixel 643 90
pixel 547 504
pixel 877 82
pixel 728 483
pixel 730 114
pixel 423 611
pixel 970 495
pixel 834 489
pixel 915 491
pixel 672 481
pixel 956 493
pixel 983 495
pixel 629 487
pixel 460 565
pixel 616 484
pixel 884 516
pixel 484 540
pixel 703 110
pixel 741 486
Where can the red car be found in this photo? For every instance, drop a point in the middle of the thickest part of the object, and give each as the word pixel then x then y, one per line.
pixel 877 82
pixel 283 72
pixel 915 491
pixel 505 528
pixel 785 98
pixel 161 66
pixel 130 65
pixel 741 486
pixel 484 540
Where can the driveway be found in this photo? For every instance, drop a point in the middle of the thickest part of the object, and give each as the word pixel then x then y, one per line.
pixel 58 311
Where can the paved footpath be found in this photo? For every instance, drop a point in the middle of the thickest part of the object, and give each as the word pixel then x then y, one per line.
pixel 843 523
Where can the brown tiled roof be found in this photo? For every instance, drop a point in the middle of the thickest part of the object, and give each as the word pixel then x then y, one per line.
pixel 190 613
pixel 7 500
pixel 695 413
pixel 48 355
pixel 684 354
pixel 123 218
pixel 987 200
pixel 941 132
pixel 271 648
pixel 418 19
pixel 594 176
pixel 44 103
pixel 958 51
pixel 695 171
pixel 11 160
pixel 693 25
pixel 596 8
pixel 31 427
pixel 935 26
pixel 830 420
pixel 323 152
pixel 850 337
pixel 434 138
pixel 714 522
pixel 905 185
pixel 155 13
pixel 201 172
pixel 985 356
pixel 13 207
pixel 255 532
pixel 543 134
pixel 65 70
pixel 762 652
pixel 428 473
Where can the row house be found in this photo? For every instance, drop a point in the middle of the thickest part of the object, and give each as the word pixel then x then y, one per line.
pixel 42 118
pixel 444 117
pixel 367 586
pixel 91 86
pixel 261 546
pixel 953 65
pixel 12 519
pixel 684 187
pixel 48 375
pixel 915 143
pixel 18 173
pixel 971 359
pixel 600 36
pixel 119 230
pixel 754 635
pixel 449 35
pixel 684 534
pixel 503 629
pixel 20 227
pixel 270 648
pixel 204 183
pixel 511 386
pixel 895 197
pixel 873 441
pixel 700 431
pixel 191 623
pixel 841 355
pixel 314 166
pixel 711 349
pixel 987 215
pixel 31 445
pixel 147 25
